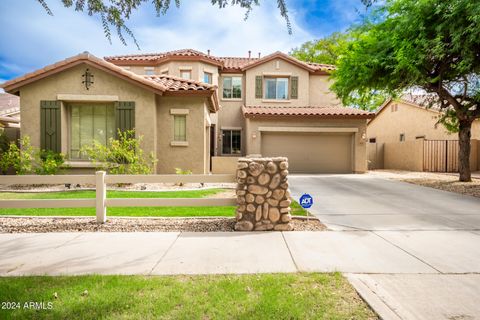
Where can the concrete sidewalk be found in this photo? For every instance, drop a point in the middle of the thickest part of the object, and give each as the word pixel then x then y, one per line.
pixel 386 252
pixel 402 275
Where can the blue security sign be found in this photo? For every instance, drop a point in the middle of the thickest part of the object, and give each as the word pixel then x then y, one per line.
pixel 306 201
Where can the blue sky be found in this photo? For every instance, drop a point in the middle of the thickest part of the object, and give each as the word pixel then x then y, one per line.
pixel 32 39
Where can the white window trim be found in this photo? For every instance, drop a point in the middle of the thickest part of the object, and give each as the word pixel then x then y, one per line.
pixel 179 143
pixel 179 111
pixel 149 68
pixel 277 74
pixel 307 129
pixel 86 98
pixel 231 128
pixel 276 100
pixel 185 68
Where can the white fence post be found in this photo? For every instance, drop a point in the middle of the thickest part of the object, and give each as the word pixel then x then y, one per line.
pixel 100 196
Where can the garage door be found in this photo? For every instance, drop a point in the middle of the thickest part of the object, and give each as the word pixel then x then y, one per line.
pixel 311 152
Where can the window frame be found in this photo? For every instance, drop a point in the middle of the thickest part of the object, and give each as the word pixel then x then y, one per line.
pixel 180 137
pixel 266 79
pixel 149 71
pixel 210 76
pixel 231 153
pixel 232 88
pixel 69 109
pixel 186 71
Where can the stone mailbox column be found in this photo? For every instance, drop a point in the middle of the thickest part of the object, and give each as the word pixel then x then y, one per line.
pixel 263 196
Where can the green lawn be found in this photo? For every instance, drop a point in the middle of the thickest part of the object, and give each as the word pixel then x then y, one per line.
pixel 225 211
pixel 265 296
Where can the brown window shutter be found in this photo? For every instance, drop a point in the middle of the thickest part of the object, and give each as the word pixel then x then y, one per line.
pixel 125 115
pixel 258 87
pixel 50 126
pixel 294 87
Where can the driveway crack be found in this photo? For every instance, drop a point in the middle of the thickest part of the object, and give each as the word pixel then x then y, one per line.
pixel 165 253
pixel 409 253
pixel 290 252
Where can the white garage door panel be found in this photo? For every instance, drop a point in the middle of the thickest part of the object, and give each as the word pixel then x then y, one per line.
pixel 311 152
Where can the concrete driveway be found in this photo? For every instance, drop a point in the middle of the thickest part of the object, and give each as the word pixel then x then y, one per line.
pixel 438 229
pixel 365 202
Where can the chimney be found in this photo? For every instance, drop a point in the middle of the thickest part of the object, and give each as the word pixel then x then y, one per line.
pixel 208 52
pixel 249 54
pixel 259 55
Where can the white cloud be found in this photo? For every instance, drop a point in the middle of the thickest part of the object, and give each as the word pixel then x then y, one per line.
pixel 40 39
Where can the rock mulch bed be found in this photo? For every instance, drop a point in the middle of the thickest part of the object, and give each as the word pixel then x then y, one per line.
pixel 442 181
pixel 46 224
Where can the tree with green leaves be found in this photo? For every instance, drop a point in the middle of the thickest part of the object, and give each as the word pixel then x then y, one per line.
pixel 328 50
pixel 325 50
pixel 115 13
pixel 432 45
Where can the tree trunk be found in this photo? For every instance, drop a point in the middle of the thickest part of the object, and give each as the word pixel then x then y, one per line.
pixel 464 134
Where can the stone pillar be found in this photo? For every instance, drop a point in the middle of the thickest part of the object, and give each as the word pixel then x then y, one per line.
pixel 263 197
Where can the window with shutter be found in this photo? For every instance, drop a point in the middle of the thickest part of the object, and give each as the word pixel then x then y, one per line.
pixel 90 122
pixel 258 87
pixel 50 126
pixel 125 115
pixel 294 88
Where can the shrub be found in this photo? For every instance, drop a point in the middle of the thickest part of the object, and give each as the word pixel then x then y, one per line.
pixel 4 143
pixel 26 159
pixel 50 162
pixel 21 159
pixel 122 155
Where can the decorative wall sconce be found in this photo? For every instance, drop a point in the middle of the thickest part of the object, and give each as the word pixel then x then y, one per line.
pixel 254 135
pixel 87 79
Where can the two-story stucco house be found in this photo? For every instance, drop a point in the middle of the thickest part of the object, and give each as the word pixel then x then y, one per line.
pixel 196 111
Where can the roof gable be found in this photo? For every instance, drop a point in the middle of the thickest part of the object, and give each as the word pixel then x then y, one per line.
pixel 163 84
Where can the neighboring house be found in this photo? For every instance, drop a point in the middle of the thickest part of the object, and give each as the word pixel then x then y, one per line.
pixel 193 107
pixel 10 115
pixel 402 123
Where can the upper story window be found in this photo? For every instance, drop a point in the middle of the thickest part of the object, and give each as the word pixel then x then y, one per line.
pixel 232 87
pixel 276 88
pixel 402 137
pixel 149 71
pixel 186 74
pixel 207 77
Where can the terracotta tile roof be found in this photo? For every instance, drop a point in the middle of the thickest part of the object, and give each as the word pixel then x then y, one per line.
pixel 157 57
pixel 322 66
pixel 84 57
pixel 162 83
pixel 310 111
pixel 227 63
pixel 159 84
pixel 236 63
pixel 178 84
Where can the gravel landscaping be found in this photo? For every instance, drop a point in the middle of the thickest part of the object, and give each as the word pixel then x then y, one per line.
pixel 60 224
pixel 442 181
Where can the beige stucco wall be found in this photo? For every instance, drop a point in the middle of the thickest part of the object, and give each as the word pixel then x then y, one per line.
pixel 253 145
pixel 320 93
pixel 191 157
pixel 70 82
pixel 406 155
pixel 286 69
pixel 412 121
pixel 152 116
pixel 227 165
